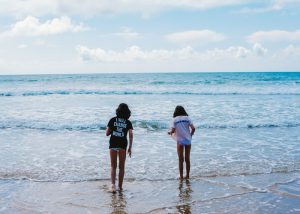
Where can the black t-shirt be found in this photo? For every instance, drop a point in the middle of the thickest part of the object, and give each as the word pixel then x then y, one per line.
pixel 119 128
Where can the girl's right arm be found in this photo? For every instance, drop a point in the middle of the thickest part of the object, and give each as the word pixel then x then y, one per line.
pixel 171 132
pixel 108 131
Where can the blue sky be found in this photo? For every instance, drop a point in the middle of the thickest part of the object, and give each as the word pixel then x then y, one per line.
pixel 95 36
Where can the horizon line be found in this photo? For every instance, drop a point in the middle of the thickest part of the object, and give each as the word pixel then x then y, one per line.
pixel 162 72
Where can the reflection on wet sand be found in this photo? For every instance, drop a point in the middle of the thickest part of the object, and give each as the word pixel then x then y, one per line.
pixel 184 197
pixel 118 203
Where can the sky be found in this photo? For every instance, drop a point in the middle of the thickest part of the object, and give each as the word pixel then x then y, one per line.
pixel 98 36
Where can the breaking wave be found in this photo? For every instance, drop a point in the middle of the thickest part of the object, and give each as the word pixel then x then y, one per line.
pixel 137 124
pixel 100 92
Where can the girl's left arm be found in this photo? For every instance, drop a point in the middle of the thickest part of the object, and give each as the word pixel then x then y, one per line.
pixel 193 129
pixel 130 142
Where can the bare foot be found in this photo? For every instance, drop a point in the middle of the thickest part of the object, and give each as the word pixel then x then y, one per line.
pixel 113 188
pixel 180 178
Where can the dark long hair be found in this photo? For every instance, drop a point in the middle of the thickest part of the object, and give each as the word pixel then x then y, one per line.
pixel 179 111
pixel 123 111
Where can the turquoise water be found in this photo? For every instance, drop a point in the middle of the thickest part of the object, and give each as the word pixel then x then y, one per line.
pixel 52 126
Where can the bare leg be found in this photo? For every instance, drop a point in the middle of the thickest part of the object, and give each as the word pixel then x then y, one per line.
pixel 187 160
pixel 113 167
pixel 180 149
pixel 122 159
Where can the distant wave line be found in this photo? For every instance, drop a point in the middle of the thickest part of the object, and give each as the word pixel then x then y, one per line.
pixel 148 125
pixel 99 92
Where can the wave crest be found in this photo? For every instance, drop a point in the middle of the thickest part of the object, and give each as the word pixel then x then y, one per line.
pixel 151 125
pixel 101 92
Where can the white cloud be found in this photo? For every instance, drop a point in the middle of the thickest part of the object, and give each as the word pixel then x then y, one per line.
pixel 127 33
pixel 274 36
pixel 31 26
pixel 22 46
pixel 159 60
pixel 259 49
pixel 236 52
pixel 291 51
pixel 131 54
pixel 136 53
pixel 96 7
pixel 19 8
pixel 280 4
pixel 195 36
pixel 239 52
pixel 271 6
pixel 40 42
pixel 256 10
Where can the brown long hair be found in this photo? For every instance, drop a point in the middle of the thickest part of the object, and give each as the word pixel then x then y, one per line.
pixel 179 111
pixel 123 111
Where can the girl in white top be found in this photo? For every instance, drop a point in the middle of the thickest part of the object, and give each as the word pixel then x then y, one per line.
pixel 182 129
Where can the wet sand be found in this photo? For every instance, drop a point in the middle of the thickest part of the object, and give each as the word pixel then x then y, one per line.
pixel 265 193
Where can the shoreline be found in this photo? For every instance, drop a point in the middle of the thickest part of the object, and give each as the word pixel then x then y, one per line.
pixel 264 193
pixel 130 179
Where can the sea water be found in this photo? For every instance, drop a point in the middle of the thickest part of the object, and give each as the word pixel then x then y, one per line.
pixel 52 127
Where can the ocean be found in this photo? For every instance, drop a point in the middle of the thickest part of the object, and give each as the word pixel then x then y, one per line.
pixel 52 130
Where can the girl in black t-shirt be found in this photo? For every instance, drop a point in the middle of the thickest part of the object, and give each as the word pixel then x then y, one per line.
pixel 117 128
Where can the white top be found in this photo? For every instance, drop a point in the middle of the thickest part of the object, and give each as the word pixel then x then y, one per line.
pixel 182 129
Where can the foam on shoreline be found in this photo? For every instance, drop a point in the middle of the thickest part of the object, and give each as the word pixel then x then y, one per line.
pixel 240 194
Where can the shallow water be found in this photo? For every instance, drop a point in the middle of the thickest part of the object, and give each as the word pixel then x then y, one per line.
pixel 78 156
pixel 276 193
pixel 52 127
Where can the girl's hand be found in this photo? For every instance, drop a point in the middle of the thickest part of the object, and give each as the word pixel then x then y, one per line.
pixel 129 152
pixel 108 131
pixel 171 131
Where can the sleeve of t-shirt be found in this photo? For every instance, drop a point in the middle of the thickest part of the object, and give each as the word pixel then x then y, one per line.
pixel 111 123
pixel 172 124
pixel 129 125
pixel 190 121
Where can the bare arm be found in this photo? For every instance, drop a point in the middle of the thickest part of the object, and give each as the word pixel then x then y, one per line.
pixel 172 131
pixel 130 141
pixel 193 129
pixel 108 131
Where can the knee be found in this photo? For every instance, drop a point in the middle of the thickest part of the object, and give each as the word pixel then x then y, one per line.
pixel 121 167
pixel 113 166
pixel 181 159
pixel 187 159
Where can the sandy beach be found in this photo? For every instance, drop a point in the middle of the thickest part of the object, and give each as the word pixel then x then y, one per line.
pixel 273 193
